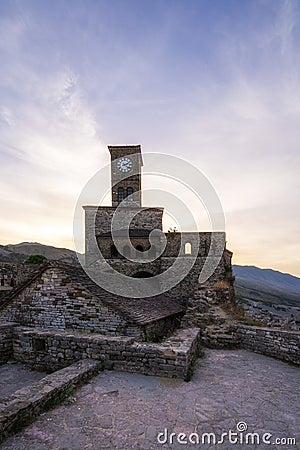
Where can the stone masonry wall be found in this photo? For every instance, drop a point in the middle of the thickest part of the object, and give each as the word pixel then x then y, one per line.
pixel 98 221
pixel 280 344
pixel 53 350
pixel 6 341
pixel 55 301
pixel 21 407
pixel 200 243
pixel 20 272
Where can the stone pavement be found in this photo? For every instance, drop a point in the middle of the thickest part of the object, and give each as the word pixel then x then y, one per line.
pixel 15 376
pixel 127 411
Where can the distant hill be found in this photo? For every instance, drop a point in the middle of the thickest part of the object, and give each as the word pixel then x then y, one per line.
pixel 266 286
pixel 269 277
pixel 252 283
pixel 19 252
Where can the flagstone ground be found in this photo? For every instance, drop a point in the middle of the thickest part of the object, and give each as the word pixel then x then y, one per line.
pixel 118 410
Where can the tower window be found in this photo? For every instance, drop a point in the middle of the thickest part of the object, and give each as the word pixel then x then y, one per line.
pixel 129 192
pixel 188 248
pixel 120 194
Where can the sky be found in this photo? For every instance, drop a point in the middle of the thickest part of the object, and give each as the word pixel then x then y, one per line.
pixel 215 82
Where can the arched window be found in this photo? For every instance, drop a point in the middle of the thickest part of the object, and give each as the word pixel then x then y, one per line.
pixel 114 252
pixel 188 248
pixel 126 250
pixel 129 192
pixel 120 194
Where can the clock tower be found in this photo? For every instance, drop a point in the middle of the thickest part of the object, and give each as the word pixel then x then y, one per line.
pixel 126 164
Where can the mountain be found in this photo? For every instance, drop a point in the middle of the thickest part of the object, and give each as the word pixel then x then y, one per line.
pixel 270 277
pixel 19 252
pixel 252 283
pixel 266 285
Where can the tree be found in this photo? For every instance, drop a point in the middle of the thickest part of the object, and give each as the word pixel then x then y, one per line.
pixel 35 259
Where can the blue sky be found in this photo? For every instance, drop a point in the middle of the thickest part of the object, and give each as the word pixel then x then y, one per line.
pixel 215 82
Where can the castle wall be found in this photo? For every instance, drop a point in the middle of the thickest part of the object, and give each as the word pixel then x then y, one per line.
pixel 55 301
pixel 105 244
pixel 174 358
pixel 183 289
pixel 19 272
pixel 200 243
pixel 98 221
pixel 99 218
pixel 280 344
pixel 6 341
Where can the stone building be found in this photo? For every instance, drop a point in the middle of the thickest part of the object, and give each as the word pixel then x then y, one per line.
pixel 137 247
pixel 62 296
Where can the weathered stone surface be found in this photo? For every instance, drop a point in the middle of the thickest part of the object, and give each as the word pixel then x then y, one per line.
pixel 6 341
pixel 281 344
pixel 14 376
pixel 21 407
pixel 64 297
pixel 52 350
pixel 117 411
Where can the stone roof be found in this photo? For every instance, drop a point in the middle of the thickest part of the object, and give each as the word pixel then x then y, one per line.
pixel 135 310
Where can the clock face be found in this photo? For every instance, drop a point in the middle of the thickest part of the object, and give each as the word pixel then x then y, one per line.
pixel 124 164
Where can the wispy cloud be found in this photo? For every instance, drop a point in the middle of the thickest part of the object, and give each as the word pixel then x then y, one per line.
pixel 214 83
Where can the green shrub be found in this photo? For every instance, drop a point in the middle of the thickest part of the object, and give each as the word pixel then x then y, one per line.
pixel 35 259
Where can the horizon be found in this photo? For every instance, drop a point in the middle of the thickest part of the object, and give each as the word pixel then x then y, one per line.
pixel 215 83
pixel 240 265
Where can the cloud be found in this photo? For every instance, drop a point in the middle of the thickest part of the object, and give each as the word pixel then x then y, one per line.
pixel 218 87
pixel 49 144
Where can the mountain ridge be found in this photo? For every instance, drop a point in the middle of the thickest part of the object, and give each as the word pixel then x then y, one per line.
pixel 251 281
pixel 274 278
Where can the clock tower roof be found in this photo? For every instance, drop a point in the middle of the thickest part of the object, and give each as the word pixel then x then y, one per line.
pixel 118 151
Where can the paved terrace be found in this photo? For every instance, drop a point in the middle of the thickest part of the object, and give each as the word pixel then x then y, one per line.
pixel 16 376
pixel 126 411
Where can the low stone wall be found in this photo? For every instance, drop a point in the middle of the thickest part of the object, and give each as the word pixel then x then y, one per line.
pixel 6 341
pixel 24 405
pixel 49 349
pixel 174 358
pixel 280 344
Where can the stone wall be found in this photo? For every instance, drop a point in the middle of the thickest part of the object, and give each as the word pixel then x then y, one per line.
pixel 280 344
pixel 171 284
pixel 18 271
pixel 20 408
pixel 200 243
pixel 44 350
pixel 6 341
pixel 129 249
pixel 99 218
pixel 54 301
pixel 98 221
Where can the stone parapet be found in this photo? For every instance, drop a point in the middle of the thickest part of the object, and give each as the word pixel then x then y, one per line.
pixel 20 408
pixel 51 350
pixel 281 344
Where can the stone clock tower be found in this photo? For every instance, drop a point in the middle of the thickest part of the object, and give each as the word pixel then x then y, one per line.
pixel 126 164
